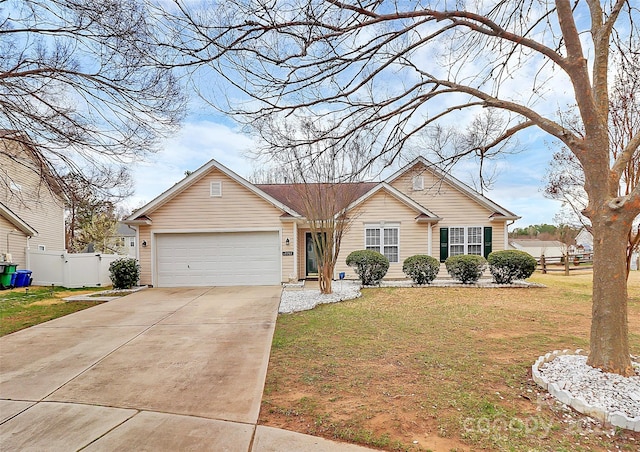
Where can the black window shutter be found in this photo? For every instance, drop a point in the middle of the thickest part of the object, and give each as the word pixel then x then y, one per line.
pixel 488 236
pixel 444 244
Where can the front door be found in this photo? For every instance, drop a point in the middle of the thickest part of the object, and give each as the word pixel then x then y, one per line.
pixel 312 262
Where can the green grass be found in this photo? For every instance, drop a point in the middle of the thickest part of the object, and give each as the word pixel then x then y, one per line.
pixel 446 367
pixel 25 307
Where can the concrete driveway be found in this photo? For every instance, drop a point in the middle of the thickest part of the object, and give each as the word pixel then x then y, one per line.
pixel 161 369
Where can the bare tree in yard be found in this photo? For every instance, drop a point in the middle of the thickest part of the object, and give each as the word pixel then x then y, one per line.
pixel 84 83
pixel 321 186
pixel 565 179
pixel 91 200
pixel 388 70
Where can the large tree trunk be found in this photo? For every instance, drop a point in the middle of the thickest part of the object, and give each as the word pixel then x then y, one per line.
pixel 609 325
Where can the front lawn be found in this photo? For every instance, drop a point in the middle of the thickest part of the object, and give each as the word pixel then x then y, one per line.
pixel 24 307
pixel 438 369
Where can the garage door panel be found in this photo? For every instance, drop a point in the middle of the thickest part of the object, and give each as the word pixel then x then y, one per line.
pixel 218 259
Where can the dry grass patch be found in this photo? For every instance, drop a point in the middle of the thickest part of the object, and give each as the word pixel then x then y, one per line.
pixel 446 367
pixel 24 307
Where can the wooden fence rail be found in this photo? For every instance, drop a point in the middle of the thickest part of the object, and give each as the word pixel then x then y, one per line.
pixel 566 263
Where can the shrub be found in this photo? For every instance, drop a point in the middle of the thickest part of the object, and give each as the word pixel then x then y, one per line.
pixel 421 268
pixel 509 265
pixel 466 268
pixel 124 273
pixel 370 266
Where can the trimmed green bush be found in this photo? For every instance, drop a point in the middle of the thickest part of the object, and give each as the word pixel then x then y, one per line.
pixel 509 265
pixel 421 268
pixel 124 273
pixel 466 268
pixel 370 266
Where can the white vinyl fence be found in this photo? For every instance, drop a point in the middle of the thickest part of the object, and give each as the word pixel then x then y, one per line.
pixel 70 270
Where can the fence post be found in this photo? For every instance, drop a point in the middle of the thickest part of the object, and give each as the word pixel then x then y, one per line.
pixel 566 264
pixel 543 264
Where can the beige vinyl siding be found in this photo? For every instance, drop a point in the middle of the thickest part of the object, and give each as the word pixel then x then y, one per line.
pixel 16 240
pixel 195 210
pixel 289 271
pixel 34 203
pixel 302 253
pixel 384 207
pixel 144 258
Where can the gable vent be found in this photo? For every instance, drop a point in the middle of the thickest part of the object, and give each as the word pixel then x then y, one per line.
pixel 418 183
pixel 216 189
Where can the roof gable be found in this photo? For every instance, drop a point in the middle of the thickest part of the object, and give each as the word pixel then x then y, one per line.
pixel 422 211
pixel 496 210
pixel 191 179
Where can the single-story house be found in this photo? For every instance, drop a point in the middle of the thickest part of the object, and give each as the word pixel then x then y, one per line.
pixel 537 248
pixel 216 228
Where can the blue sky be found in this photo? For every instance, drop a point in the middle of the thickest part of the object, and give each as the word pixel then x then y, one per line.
pixel 204 137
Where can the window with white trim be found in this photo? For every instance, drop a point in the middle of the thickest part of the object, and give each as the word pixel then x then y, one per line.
pixel 216 189
pixel 385 240
pixel 132 242
pixel 465 240
pixel 42 248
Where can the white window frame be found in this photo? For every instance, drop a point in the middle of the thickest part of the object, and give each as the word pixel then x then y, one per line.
pixel 463 243
pixel 42 247
pixel 382 245
pixel 132 242
pixel 215 189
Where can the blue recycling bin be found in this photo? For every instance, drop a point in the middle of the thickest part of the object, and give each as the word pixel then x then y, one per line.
pixel 22 278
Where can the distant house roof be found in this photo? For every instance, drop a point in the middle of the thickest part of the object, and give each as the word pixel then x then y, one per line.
pixel 535 243
pixel 124 230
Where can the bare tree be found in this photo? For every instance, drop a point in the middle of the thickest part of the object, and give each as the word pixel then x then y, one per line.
pixel 384 71
pixel 321 183
pixel 84 83
pixel 91 196
pixel 565 178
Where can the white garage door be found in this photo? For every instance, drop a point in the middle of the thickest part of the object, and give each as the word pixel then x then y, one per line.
pixel 218 259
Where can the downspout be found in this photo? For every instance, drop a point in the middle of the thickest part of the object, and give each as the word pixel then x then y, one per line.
pixel 506 234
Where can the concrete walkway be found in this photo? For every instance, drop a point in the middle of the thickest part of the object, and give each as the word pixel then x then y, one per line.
pixel 161 369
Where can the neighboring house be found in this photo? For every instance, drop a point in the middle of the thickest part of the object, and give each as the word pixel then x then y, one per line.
pixel 537 248
pixel 32 212
pixel 125 240
pixel 584 240
pixel 216 228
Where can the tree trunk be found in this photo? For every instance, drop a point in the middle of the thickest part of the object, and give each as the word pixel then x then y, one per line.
pixel 325 274
pixel 609 324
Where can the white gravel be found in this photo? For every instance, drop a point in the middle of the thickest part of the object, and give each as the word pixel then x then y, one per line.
pixel 608 392
pixel 294 300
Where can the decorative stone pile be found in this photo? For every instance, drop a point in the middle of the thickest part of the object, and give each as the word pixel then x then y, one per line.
pixel 609 398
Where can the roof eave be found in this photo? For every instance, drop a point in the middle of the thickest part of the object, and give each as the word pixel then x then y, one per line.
pixel 18 222
pixel 504 218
